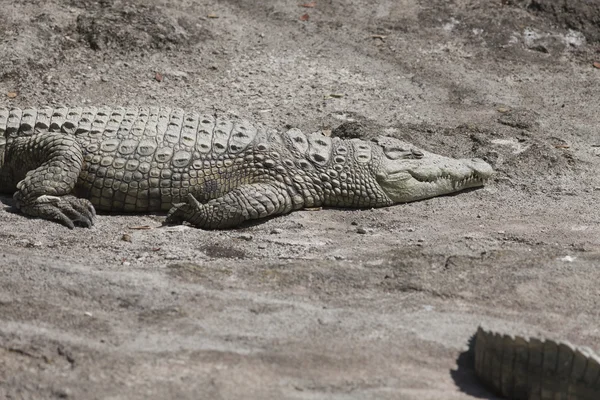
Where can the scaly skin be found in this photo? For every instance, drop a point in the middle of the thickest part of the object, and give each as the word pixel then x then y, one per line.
pixel 532 369
pixel 209 171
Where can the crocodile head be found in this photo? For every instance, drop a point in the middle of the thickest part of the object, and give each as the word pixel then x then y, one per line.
pixel 408 173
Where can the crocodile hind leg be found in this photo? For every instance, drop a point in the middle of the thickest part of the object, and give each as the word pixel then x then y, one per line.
pixel 251 201
pixel 49 164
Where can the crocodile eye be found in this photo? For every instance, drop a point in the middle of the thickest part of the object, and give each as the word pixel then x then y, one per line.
pixel 400 153
pixel 417 153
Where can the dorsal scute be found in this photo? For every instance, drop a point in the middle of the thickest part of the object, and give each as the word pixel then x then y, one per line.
pixel 173 132
pixel 71 121
pixel 242 134
pixel 298 141
pixel 88 115
pixel 13 122
pixel 43 119
pixel 339 153
pixel 147 146
pixel 361 150
pixel 28 119
pixel 204 136
pixel 100 122
pixel 58 118
pixel 129 117
pixel 150 129
pixel 139 125
pixel 3 121
pixel 221 133
pixel 319 148
pixel 114 122
pixel 162 122
pixel 189 131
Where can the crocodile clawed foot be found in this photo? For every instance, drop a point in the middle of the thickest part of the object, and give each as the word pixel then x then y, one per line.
pixel 181 212
pixel 67 210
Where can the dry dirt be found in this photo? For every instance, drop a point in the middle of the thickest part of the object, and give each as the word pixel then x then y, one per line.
pixel 303 306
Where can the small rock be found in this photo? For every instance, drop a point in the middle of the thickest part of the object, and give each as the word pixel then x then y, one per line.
pixel 88 314
pixel 354 223
pixel 247 238
pixel 568 259
pixel 177 73
pixel 420 240
pixel 540 47
pixel 410 230
pixel 126 237
pixel 276 231
pixel 171 257
pixel 62 393
pixel 126 263
pixel 361 230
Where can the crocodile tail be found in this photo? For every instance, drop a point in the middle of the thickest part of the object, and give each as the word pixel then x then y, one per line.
pixel 521 368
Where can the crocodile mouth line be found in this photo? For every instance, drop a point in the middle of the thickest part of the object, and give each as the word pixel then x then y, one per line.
pixel 473 179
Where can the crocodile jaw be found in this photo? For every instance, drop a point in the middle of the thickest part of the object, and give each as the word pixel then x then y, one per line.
pixel 406 180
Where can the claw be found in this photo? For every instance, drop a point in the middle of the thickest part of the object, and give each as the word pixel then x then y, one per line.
pixel 192 201
pixel 179 206
pixel 180 212
pixel 67 210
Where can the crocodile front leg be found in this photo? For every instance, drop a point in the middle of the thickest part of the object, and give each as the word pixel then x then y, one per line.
pixel 251 201
pixel 49 164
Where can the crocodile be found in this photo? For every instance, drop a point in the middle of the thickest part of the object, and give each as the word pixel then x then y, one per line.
pixel 208 170
pixel 522 368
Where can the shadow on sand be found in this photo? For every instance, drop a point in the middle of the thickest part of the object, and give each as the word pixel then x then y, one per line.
pixel 464 375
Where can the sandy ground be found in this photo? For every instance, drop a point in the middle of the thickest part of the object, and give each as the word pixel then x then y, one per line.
pixel 303 306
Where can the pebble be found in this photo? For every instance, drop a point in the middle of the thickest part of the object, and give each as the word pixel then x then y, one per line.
pixel 247 238
pixel 126 237
pixel 276 231
pixel 361 230
pixel 29 243
pixel 171 257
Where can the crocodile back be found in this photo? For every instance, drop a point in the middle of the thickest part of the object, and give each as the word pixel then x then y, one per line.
pixel 147 158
